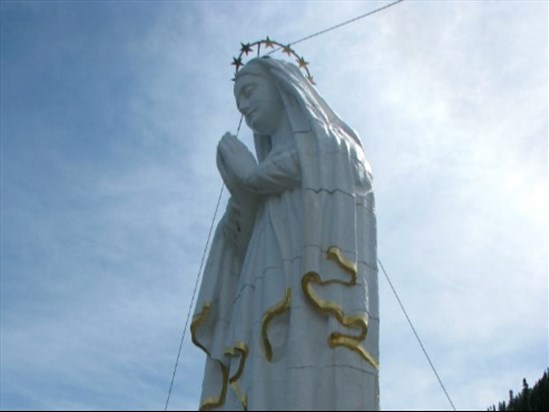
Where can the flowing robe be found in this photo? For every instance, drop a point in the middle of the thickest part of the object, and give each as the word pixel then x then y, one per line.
pixel 288 314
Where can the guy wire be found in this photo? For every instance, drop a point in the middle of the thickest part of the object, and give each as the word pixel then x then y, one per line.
pixel 192 299
pixel 337 26
pixel 415 333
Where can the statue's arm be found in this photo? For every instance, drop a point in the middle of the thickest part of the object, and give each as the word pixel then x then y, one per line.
pixel 275 175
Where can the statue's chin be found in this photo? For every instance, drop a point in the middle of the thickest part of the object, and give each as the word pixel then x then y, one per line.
pixel 258 129
pixel 261 126
pixel 264 122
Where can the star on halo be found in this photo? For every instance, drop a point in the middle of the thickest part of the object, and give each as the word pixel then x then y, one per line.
pixel 237 62
pixel 302 63
pixel 268 43
pixel 246 48
pixel 287 49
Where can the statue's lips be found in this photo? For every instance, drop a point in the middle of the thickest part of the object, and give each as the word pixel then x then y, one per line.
pixel 251 114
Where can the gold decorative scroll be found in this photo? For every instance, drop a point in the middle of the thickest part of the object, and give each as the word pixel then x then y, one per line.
pixel 213 401
pixel 198 320
pixel 273 312
pixel 217 401
pixel 357 322
pixel 334 253
pixel 338 339
pixel 239 349
pixel 330 308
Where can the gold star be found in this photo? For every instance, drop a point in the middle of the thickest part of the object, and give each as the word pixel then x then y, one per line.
pixel 287 49
pixel 237 62
pixel 246 48
pixel 268 43
pixel 302 63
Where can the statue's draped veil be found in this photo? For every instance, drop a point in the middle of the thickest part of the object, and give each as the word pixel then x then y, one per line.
pixel 297 92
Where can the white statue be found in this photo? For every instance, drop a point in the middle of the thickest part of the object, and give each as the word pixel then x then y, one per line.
pixel 288 307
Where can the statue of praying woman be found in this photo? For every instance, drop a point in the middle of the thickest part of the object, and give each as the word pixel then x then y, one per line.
pixel 288 311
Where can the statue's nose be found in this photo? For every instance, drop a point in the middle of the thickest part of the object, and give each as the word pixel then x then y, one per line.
pixel 243 106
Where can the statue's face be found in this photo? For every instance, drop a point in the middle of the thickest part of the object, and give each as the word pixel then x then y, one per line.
pixel 258 99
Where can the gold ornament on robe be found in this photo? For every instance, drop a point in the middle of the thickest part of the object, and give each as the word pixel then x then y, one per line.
pixel 211 402
pixel 273 312
pixel 359 322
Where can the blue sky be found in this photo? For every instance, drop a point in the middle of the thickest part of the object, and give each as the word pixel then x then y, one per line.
pixel 110 116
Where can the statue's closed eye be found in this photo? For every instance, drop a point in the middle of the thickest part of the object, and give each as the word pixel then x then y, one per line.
pixel 248 90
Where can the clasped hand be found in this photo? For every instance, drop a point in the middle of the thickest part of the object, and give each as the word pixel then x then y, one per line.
pixel 235 162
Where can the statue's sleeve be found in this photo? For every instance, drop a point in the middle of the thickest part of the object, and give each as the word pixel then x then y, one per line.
pixel 237 224
pixel 276 174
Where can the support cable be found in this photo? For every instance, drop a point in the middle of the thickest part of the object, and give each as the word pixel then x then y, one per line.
pixel 193 296
pixel 337 26
pixel 415 333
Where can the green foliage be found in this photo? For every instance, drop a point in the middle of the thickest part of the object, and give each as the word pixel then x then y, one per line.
pixel 528 399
